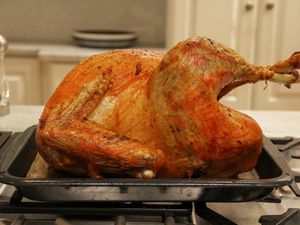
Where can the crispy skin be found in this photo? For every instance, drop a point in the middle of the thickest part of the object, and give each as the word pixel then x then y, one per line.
pixel 144 114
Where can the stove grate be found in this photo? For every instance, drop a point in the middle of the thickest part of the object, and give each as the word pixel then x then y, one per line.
pixel 289 143
pixel 282 219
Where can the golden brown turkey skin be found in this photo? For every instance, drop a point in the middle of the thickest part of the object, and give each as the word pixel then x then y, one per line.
pixel 191 119
pixel 144 114
pixel 99 119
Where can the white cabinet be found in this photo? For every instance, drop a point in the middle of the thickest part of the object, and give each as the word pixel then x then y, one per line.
pixel 24 79
pixel 278 37
pixel 262 31
pixel 31 80
pixel 34 70
pixel 232 23
pixel 53 74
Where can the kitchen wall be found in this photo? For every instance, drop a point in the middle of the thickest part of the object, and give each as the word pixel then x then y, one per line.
pixel 55 20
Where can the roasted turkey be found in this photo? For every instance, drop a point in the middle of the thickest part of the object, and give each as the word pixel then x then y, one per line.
pixel 144 114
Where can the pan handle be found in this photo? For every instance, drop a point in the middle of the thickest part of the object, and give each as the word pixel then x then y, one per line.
pixel 5 139
pixel 4 150
pixel 284 166
pixel 8 151
pixel 294 187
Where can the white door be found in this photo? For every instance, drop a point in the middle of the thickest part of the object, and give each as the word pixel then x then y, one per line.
pixel 24 80
pixel 278 37
pixel 53 74
pixel 231 22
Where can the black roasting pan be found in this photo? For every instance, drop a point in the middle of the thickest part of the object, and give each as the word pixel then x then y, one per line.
pixel 271 172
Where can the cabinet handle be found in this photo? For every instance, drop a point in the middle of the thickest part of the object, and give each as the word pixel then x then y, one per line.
pixel 269 5
pixel 249 6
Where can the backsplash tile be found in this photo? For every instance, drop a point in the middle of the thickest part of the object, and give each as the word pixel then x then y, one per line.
pixel 55 20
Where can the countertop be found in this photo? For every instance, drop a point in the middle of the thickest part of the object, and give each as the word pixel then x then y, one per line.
pixel 273 123
pixel 59 52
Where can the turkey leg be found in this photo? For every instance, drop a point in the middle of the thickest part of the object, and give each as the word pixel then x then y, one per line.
pixel 284 72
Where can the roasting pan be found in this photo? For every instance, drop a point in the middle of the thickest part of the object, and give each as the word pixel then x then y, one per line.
pixel 271 171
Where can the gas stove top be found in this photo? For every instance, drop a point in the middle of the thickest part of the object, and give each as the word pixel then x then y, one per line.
pixel 281 207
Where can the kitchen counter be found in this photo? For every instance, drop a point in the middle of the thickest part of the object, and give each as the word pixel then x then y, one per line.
pixel 59 52
pixel 273 123
pixel 20 117
pixel 53 52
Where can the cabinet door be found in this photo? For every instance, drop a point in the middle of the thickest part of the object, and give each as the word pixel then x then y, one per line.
pixel 278 37
pixel 24 80
pixel 53 74
pixel 180 21
pixel 230 22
